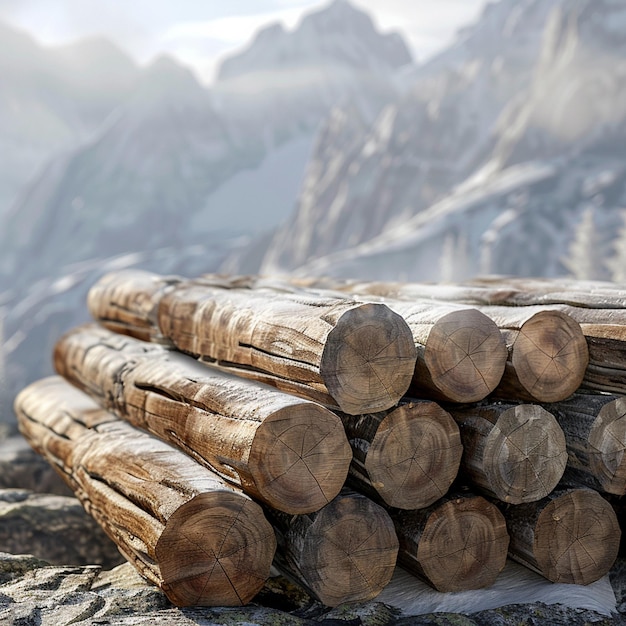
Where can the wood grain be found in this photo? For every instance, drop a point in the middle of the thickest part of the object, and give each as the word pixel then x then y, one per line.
pixel 458 543
pixel 406 457
pixel 512 452
pixel 346 552
pixel 570 536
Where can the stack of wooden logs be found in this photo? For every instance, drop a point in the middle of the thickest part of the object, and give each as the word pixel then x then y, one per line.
pixel 218 425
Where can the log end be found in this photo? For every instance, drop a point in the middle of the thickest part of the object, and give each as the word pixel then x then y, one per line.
pixel 464 545
pixel 550 356
pixel 350 551
pixel 577 538
pixel 608 439
pixel 465 355
pixel 415 455
pixel 215 550
pixel 300 457
pixel 368 360
pixel 525 454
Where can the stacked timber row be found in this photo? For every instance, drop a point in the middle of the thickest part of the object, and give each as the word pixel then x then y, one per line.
pixel 450 353
pixel 357 357
pixel 387 398
pixel 547 352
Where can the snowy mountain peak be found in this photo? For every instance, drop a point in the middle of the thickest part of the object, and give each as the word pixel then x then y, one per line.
pixel 164 80
pixel 338 34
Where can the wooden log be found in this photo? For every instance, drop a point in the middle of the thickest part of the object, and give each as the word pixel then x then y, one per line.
pixel 548 354
pixel 570 536
pixel 594 426
pixel 513 452
pixel 456 544
pixel 346 552
pixel 183 528
pixel 287 452
pixel 406 457
pixel 358 358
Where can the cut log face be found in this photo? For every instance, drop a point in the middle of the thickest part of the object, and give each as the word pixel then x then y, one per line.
pixel 287 452
pixel 571 536
pixel 346 552
pixel 457 544
pixel 550 355
pixel 465 356
pixel 407 457
pixel 362 364
pixel 202 541
pixel 513 453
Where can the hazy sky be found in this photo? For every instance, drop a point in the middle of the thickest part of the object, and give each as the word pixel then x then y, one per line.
pixel 200 32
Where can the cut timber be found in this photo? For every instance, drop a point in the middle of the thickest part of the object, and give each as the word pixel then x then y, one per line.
pixel 346 552
pixel 200 540
pixel 515 453
pixel 461 353
pixel 406 457
pixel 458 543
pixel 548 354
pixel 595 431
pixel 357 357
pixel 285 451
pixel 570 536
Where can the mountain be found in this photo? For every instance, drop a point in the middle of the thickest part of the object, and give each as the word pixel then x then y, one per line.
pixel 178 163
pixel 339 34
pixel 502 158
pixel 431 139
pixel 52 98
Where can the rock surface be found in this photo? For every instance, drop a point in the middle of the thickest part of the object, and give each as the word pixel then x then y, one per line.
pixel 54 528
pixel 34 592
pixel 55 569
pixel 22 468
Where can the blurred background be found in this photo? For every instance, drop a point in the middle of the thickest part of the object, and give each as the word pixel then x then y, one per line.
pixel 373 139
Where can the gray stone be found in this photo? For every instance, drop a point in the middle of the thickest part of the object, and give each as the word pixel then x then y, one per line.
pixel 617 576
pixel 54 528
pixel 543 615
pixel 22 468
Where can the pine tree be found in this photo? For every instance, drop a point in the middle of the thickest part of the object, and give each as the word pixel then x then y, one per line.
pixel 616 264
pixel 584 260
